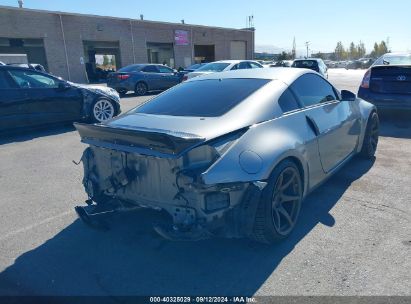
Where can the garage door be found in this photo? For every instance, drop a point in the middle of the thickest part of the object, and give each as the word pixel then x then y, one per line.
pixel 238 50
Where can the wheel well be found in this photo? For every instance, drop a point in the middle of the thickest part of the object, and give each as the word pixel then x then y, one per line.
pixel 300 168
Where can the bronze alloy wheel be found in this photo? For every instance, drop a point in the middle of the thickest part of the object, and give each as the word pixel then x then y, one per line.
pixel 286 200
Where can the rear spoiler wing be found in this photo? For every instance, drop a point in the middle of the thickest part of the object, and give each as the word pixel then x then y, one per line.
pixel 155 142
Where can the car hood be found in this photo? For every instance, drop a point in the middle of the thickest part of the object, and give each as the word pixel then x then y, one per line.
pixel 109 92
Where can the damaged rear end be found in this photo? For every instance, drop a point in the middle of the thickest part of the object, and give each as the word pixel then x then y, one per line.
pixel 128 168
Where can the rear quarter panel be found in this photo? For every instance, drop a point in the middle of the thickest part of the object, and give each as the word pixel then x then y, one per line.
pixel 273 141
pixel 365 109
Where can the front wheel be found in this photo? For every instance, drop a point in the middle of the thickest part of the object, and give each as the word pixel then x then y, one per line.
pixel 280 204
pixel 369 146
pixel 102 110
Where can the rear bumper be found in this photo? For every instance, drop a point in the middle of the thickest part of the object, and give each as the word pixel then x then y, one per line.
pixel 195 210
pixel 386 101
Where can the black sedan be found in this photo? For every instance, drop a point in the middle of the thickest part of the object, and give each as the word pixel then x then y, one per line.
pixel 142 78
pixel 387 83
pixel 30 98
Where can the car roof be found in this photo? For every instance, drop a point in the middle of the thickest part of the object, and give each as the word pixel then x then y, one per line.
pixel 286 75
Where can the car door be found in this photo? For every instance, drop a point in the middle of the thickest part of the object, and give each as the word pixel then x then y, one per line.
pixel 334 121
pixel 170 78
pixel 46 99
pixel 11 100
pixel 153 78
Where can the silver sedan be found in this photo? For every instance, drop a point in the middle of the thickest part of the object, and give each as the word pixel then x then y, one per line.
pixel 228 154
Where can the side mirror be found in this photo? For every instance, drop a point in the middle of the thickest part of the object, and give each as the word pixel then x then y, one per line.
pixel 63 85
pixel 347 95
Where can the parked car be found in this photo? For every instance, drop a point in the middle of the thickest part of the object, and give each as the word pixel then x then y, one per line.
pixel 143 78
pixel 353 65
pixel 283 63
pixel 224 65
pixel 30 98
pixel 341 64
pixel 190 69
pixel 193 67
pixel 33 66
pixel 315 64
pixel 227 154
pixel 387 83
pixel 366 62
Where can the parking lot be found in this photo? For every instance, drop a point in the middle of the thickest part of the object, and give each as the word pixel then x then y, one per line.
pixel 353 237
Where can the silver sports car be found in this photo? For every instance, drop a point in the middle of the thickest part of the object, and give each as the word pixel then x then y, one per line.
pixel 227 154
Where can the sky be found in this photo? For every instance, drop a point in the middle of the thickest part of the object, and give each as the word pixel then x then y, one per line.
pixel 322 23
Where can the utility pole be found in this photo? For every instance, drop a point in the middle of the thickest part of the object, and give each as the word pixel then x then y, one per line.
pixel 307 44
pixel 294 51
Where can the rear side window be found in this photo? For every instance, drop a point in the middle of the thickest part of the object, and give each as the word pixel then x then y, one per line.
pixel 287 102
pixel 255 65
pixel 312 89
pixel 243 65
pixel 150 69
pixel 131 68
pixel 203 98
pixel 164 69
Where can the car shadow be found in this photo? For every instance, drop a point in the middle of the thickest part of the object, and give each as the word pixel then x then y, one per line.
pixel 27 134
pixel 395 124
pixel 131 259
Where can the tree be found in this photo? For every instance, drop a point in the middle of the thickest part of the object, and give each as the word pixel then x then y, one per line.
pixel 105 60
pixel 319 55
pixel 382 48
pixel 353 51
pixel 361 51
pixel 340 52
pixel 285 56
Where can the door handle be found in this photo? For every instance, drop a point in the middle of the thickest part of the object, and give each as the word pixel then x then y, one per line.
pixel 313 125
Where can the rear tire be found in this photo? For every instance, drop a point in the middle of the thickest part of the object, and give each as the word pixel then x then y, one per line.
pixel 280 204
pixel 370 143
pixel 141 89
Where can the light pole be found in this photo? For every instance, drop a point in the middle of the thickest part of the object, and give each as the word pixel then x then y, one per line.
pixel 307 44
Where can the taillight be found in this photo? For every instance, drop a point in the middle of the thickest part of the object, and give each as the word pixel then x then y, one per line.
pixel 185 77
pixel 366 80
pixel 123 76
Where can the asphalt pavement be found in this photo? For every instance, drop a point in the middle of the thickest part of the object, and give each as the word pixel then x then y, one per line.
pixel 353 237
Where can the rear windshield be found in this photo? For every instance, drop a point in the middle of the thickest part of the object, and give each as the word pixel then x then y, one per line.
pixel 131 68
pixel 214 67
pixel 308 64
pixel 202 98
pixel 394 59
